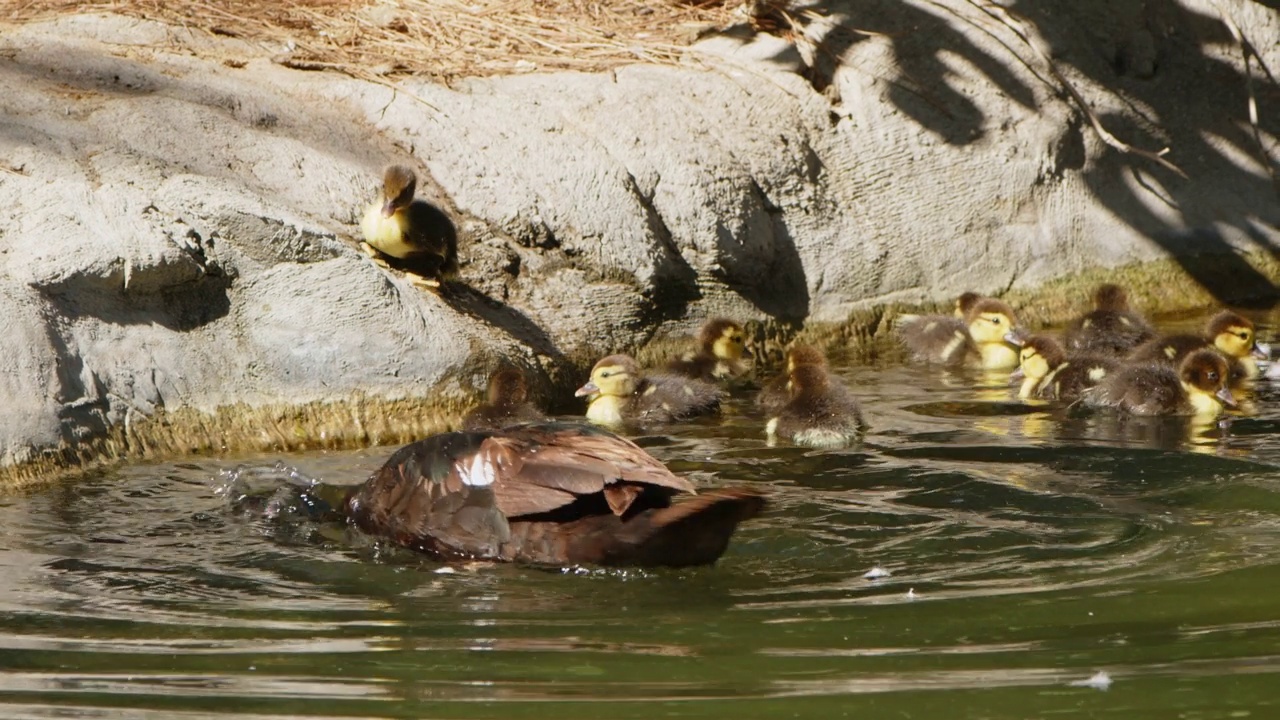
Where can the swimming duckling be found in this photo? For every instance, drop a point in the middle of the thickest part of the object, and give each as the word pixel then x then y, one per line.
pixel 617 393
pixel 409 234
pixel 1111 328
pixel 774 395
pixel 1229 332
pixel 820 412
pixel 507 403
pixel 979 339
pixel 1046 372
pixel 1197 387
pixel 545 493
pixel 719 354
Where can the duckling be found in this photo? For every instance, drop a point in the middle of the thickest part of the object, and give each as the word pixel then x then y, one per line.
pixel 1046 372
pixel 820 411
pixel 1111 328
pixel 979 339
pixel 1229 332
pixel 617 393
pixel 507 403
pixel 1198 387
pixel 408 234
pixel 545 493
pixel 774 395
pixel 719 355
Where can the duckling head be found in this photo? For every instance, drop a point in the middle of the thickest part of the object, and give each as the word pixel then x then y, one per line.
pixel 1040 356
pixel 615 376
pixel 723 339
pixel 1233 334
pixel 989 320
pixel 965 303
pixel 398 185
pixel 507 386
pixel 805 355
pixel 1204 374
pixel 1111 298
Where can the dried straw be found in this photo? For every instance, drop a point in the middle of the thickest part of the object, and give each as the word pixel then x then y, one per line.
pixel 442 39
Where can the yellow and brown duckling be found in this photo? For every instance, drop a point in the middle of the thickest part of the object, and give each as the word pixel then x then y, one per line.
pixel 507 403
pixel 1197 387
pixel 1231 333
pixel 820 411
pixel 1046 372
pixel 721 343
pixel 774 394
pixel 618 393
pixel 979 339
pixel 549 494
pixel 1111 328
pixel 410 234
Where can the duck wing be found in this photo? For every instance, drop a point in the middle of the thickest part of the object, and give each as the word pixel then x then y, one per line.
pixel 452 495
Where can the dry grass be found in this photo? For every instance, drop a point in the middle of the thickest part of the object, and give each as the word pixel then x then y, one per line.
pixel 442 39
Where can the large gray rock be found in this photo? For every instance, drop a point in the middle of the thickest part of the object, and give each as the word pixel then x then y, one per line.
pixel 181 231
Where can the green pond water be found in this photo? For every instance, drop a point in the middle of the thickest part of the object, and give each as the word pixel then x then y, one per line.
pixel 1026 552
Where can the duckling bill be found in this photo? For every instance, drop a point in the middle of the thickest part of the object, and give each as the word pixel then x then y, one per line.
pixel 618 393
pixel 410 234
pixel 547 494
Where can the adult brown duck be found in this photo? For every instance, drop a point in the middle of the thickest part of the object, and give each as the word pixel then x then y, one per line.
pixel 546 493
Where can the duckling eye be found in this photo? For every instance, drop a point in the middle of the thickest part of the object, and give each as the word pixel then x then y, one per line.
pixel 1243 335
pixel 994 320
pixel 1212 375
pixel 606 373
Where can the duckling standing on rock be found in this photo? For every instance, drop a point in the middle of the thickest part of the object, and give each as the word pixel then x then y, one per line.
pixel 545 493
pixel 979 339
pixel 820 411
pixel 507 404
pixel 617 393
pixel 1046 372
pixel 1229 332
pixel 719 354
pixel 410 235
pixel 1111 328
pixel 1197 387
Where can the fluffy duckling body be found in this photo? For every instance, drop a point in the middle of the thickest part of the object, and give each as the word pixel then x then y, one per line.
pixel 410 234
pixel 1230 333
pixel 1198 387
pixel 548 494
pixel 1046 371
pixel 979 339
pixel 507 403
pixel 719 355
pixel 774 394
pixel 820 412
pixel 1111 328
pixel 617 393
